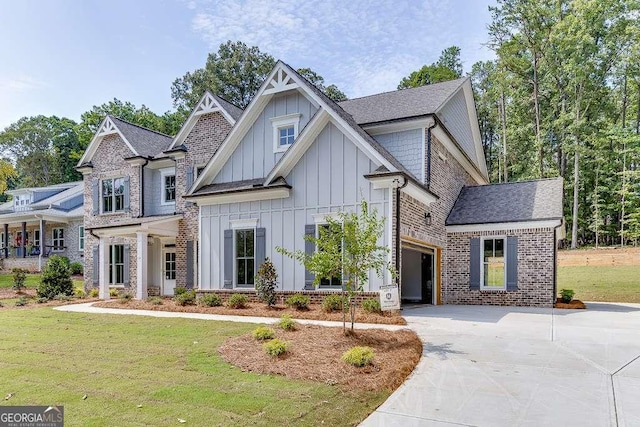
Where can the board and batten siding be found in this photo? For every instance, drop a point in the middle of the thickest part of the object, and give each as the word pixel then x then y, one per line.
pixel 455 116
pixel 328 178
pixel 254 156
pixel 408 147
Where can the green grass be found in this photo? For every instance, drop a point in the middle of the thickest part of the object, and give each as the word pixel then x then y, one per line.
pixel 169 366
pixel 595 283
pixel 6 281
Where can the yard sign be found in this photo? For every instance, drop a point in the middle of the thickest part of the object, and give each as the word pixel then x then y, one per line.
pixel 389 299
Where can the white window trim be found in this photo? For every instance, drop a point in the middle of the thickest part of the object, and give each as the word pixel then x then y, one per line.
pixel 235 257
pixel 113 196
pixel 243 224
pixel 482 285
pixel 112 266
pixel 164 173
pixel 53 239
pixel 281 122
pixel 81 238
pixel 321 218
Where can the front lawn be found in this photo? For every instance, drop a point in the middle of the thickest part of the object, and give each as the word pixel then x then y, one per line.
pixel 150 371
pixel 600 283
pixel 6 281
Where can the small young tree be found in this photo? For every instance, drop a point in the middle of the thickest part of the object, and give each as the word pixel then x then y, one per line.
pixel 266 283
pixel 56 279
pixel 19 277
pixel 348 247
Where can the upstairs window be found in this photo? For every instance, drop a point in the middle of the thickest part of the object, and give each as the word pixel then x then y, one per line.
pixel 112 195
pixel 285 131
pixel 168 184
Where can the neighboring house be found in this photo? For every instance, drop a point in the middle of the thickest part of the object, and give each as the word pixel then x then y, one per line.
pixel 141 233
pixel 42 221
pixel 204 209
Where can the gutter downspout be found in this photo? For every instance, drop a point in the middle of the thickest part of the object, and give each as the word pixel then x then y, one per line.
pixel 398 188
pixel 555 261
pixel 146 162
pixel 428 177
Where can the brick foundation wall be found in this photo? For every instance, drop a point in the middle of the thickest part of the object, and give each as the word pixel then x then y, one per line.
pixel 535 270
pixel 316 297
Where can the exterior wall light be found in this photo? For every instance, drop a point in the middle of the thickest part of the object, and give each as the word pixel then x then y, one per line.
pixel 427 219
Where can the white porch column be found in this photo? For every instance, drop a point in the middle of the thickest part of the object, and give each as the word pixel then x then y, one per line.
pixel 41 248
pixel 142 265
pixel 103 276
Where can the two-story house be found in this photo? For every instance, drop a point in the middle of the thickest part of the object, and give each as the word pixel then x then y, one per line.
pixel 205 208
pixel 42 221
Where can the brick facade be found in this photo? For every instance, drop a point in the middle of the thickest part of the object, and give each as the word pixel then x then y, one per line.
pixel 536 258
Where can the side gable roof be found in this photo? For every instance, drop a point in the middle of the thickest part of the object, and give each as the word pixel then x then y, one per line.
pixel 508 202
pixel 208 103
pixel 140 140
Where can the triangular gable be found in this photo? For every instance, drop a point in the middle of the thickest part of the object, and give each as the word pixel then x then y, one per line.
pixel 207 104
pixel 282 78
pixel 107 127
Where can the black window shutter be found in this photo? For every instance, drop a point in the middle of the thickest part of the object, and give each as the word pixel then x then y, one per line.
pixel 127 264
pixel 474 264
pixel 309 249
pixel 127 197
pixel 228 259
pixel 96 265
pixel 189 282
pixel 261 247
pixel 512 263
pixel 95 187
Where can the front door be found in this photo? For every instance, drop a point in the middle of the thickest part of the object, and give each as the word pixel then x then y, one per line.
pixel 168 271
pixel 427 278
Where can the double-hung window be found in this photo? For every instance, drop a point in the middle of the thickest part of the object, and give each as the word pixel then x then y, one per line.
pixel 244 256
pixel 324 234
pixel 112 195
pixel 116 265
pixel 58 239
pixel 493 263
pixel 36 238
pixel 81 237
pixel 168 187
pixel 285 131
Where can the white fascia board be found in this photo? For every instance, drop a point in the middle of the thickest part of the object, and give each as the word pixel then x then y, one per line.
pixel 418 193
pixel 246 196
pixel 459 155
pixel 399 126
pixel 161 164
pixel 237 224
pixel 500 226
pixel 138 161
pixel 387 181
pixel 299 146
pixel 475 128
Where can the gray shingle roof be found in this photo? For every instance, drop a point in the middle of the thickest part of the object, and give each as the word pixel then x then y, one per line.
pixel 238 186
pixel 400 104
pixel 519 201
pixel 233 111
pixel 146 142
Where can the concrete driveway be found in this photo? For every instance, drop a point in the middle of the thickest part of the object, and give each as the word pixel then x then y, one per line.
pixel 506 366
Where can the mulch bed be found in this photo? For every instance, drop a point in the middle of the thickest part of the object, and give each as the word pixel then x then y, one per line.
pixel 574 304
pixel 8 293
pixel 314 312
pixel 315 354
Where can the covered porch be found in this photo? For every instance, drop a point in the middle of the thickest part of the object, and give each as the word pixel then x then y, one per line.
pixel 137 257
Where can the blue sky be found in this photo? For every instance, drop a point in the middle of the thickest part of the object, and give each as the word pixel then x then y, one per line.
pixel 61 57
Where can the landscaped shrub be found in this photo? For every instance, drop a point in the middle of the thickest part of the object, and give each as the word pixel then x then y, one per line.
pixel 275 347
pixel 334 302
pixel 179 290
pixel 65 260
pixel 298 301
pixel 79 293
pixel 266 280
pixel 566 295
pixel 19 277
pixel 185 298
pixel 155 300
pixel 56 278
pixel 125 297
pixel 237 301
pixel 113 292
pixel 210 300
pixel 262 333
pixel 287 323
pixel 76 268
pixel 358 356
pixel 371 305
pixel 94 292
pixel 42 300
pixel 22 301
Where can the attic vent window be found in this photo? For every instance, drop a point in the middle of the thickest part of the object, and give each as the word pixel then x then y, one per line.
pixel 285 131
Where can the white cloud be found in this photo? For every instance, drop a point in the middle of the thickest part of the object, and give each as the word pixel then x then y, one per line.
pixel 364 47
pixel 21 83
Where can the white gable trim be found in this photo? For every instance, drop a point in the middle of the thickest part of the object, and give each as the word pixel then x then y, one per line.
pixel 207 104
pixel 501 226
pixel 243 196
pixel 107 127
pixel 281 82
pixel 475 128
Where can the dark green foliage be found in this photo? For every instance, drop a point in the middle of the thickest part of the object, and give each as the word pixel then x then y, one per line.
pixel 275 347
pixel 298 301
pixel 371 305
pixel 335 302
pixel 448 67
pixel 566 295
pixel 359 356
pixel 179 290
pixel 19 277
pixel 76 268
pixel 210 300
pixel 266 283
pixel 237 301
pixel 55 279
pixel 22 301
pixel 185 298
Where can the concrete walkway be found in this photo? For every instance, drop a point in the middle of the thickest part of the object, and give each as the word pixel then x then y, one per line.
pixel 88 308
pixel 505 366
